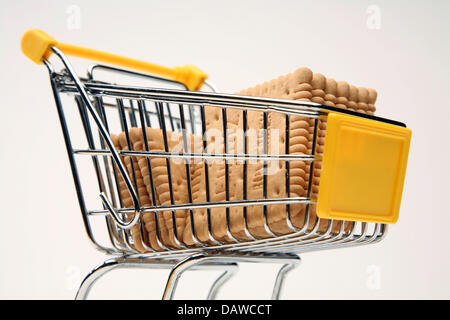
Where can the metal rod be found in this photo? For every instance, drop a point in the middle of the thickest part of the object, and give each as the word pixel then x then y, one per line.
pixel 81 89
pixel 194 155
pixel 280 279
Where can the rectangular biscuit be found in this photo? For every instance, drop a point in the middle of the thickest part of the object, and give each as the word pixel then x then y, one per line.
pixel 303 85
pixel 212 177
pixel 211 225
pixel 251 172
pixel 216 171
pixel 161 182
pixel 255 174
pixel 125 196
pixel 342 95
pixel 246 180
pixel 198 227
pixel 235 145
pixel 295 86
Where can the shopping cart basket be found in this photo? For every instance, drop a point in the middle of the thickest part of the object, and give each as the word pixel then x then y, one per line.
pixel 358 147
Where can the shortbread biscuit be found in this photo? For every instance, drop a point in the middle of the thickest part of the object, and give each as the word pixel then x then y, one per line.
pixel 318 84
pixel 217 193
pixel 353 98
pixel 363 99
pixel 371 101
pixel 249 173
pixel 125 196
pixel 294 86
pixel 330 92
pixel 237 137
pixel 252 180
pixel 316 88
pixel 200 224
pixel 342 94
pixel 297 87
pixel 216 168
pixel 235 146
pixel 334 94
pixel 255 173
pixel 209 181
pixel 347 97
pixel 160 175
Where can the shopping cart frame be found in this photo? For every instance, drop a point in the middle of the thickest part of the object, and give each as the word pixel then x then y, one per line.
pixel 282 249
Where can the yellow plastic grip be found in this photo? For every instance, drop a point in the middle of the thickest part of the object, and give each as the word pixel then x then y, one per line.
pixel 363 169
pixel 36 43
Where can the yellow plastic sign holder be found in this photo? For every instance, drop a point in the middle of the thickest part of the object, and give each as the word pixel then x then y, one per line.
pixel 363 169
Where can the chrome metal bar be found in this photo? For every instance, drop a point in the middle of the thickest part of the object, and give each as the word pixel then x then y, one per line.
pixel 147 112
pixel 115 239
pixel 172 125
pixel 132 168
pixel 301 108
pixel 72 162
pixel 211 204
pixel 197 259
pixel 94 276
pixel 145 122
pixel 227 182
pixel 169 178
pixel 188 177
pixel 81 89
pixel 117 233
pixel 244 174
pixel 220 281
pixel 265 141
pixel 132 115
pixel 194 155
pixel 305 109
pixel 177 271
pixel 281 276
pixel 125 128
pixel 287 177
pixel 129 262
pixel 206 170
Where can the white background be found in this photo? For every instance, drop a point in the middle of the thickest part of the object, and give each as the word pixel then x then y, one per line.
pixel 239 44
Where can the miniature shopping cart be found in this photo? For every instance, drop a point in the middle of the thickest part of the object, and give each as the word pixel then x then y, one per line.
pixel 357 146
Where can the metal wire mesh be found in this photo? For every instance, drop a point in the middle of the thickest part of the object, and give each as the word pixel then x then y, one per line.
pixel 106 108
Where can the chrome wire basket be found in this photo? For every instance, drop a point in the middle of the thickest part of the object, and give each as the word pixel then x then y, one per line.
pixel 104 108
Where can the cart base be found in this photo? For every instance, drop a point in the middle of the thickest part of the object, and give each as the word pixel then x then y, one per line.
pixel 201 261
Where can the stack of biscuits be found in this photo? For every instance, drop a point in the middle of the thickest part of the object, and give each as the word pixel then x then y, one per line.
pixel 182 181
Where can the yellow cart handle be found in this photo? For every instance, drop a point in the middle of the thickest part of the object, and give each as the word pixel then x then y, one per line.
pixel 36 43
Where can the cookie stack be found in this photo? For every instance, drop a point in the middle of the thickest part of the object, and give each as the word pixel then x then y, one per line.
pixel 177 181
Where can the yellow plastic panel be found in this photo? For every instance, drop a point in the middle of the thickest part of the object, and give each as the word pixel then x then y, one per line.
pixel 36 43
pixel 363 169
